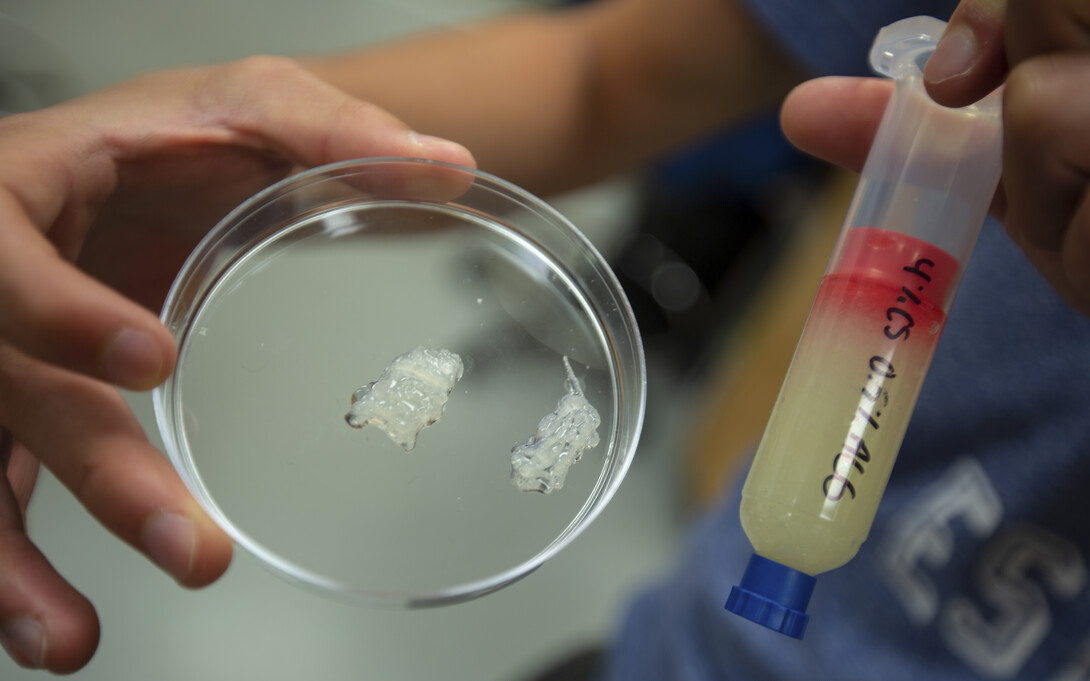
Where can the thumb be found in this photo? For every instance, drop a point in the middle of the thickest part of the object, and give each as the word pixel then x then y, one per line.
pixel 283 106
pixel 276 104
pixel 969 61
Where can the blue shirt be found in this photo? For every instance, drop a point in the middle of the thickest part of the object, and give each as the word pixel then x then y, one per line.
pixel 976 566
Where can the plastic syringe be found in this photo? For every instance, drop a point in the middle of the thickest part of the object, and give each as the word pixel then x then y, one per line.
pixel 837 425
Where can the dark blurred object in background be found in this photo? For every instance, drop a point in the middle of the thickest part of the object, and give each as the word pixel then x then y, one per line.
pixel 710 221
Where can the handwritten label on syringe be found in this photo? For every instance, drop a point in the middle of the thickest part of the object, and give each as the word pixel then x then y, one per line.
pixel 901 314
pixel 855 452
pixel 899 283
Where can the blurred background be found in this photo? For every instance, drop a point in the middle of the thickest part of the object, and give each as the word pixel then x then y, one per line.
pixel 697 289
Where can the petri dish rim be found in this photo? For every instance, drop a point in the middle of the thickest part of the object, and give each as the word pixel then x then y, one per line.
pixel 548 231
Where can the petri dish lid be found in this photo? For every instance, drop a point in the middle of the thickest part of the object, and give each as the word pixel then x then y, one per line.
pixel 378 358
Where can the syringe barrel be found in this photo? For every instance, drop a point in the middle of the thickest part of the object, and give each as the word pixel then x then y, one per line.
pixel 932 170
pixel 837 425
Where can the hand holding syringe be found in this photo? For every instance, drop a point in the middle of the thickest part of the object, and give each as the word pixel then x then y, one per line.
pixel 837 425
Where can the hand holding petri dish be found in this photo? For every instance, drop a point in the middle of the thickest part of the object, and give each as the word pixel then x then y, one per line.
pixel 311 299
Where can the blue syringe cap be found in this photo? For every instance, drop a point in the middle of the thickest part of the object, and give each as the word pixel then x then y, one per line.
pixel 773 595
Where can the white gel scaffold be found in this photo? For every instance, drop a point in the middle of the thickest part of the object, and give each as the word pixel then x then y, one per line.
pixel 542 462
pixel 409 396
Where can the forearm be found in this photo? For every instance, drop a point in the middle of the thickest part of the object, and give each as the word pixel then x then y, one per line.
pixel 554 100
pixel 504 88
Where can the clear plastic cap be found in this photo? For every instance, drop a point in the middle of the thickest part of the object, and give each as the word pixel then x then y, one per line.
pixel 897 46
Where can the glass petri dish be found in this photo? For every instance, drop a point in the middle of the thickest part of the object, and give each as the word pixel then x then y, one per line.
pixel 308 292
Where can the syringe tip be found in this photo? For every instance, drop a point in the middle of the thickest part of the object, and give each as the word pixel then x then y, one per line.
pixel 773 595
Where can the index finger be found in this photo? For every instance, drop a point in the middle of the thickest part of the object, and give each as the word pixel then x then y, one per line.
pixel 836 118
pixel 54 312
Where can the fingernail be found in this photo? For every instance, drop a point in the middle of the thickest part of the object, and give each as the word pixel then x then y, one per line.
pixel 428 141
pixel 953 57
pixel 432 144
pixel 133 360
pixel 170 540
pixel 24 640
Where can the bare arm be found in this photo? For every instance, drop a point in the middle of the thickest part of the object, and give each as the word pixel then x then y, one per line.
pixel 554 100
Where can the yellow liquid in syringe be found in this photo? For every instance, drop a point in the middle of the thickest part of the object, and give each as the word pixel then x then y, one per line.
pixel 830 444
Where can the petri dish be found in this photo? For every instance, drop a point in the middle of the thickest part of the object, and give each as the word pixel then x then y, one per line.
pixel 308 292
